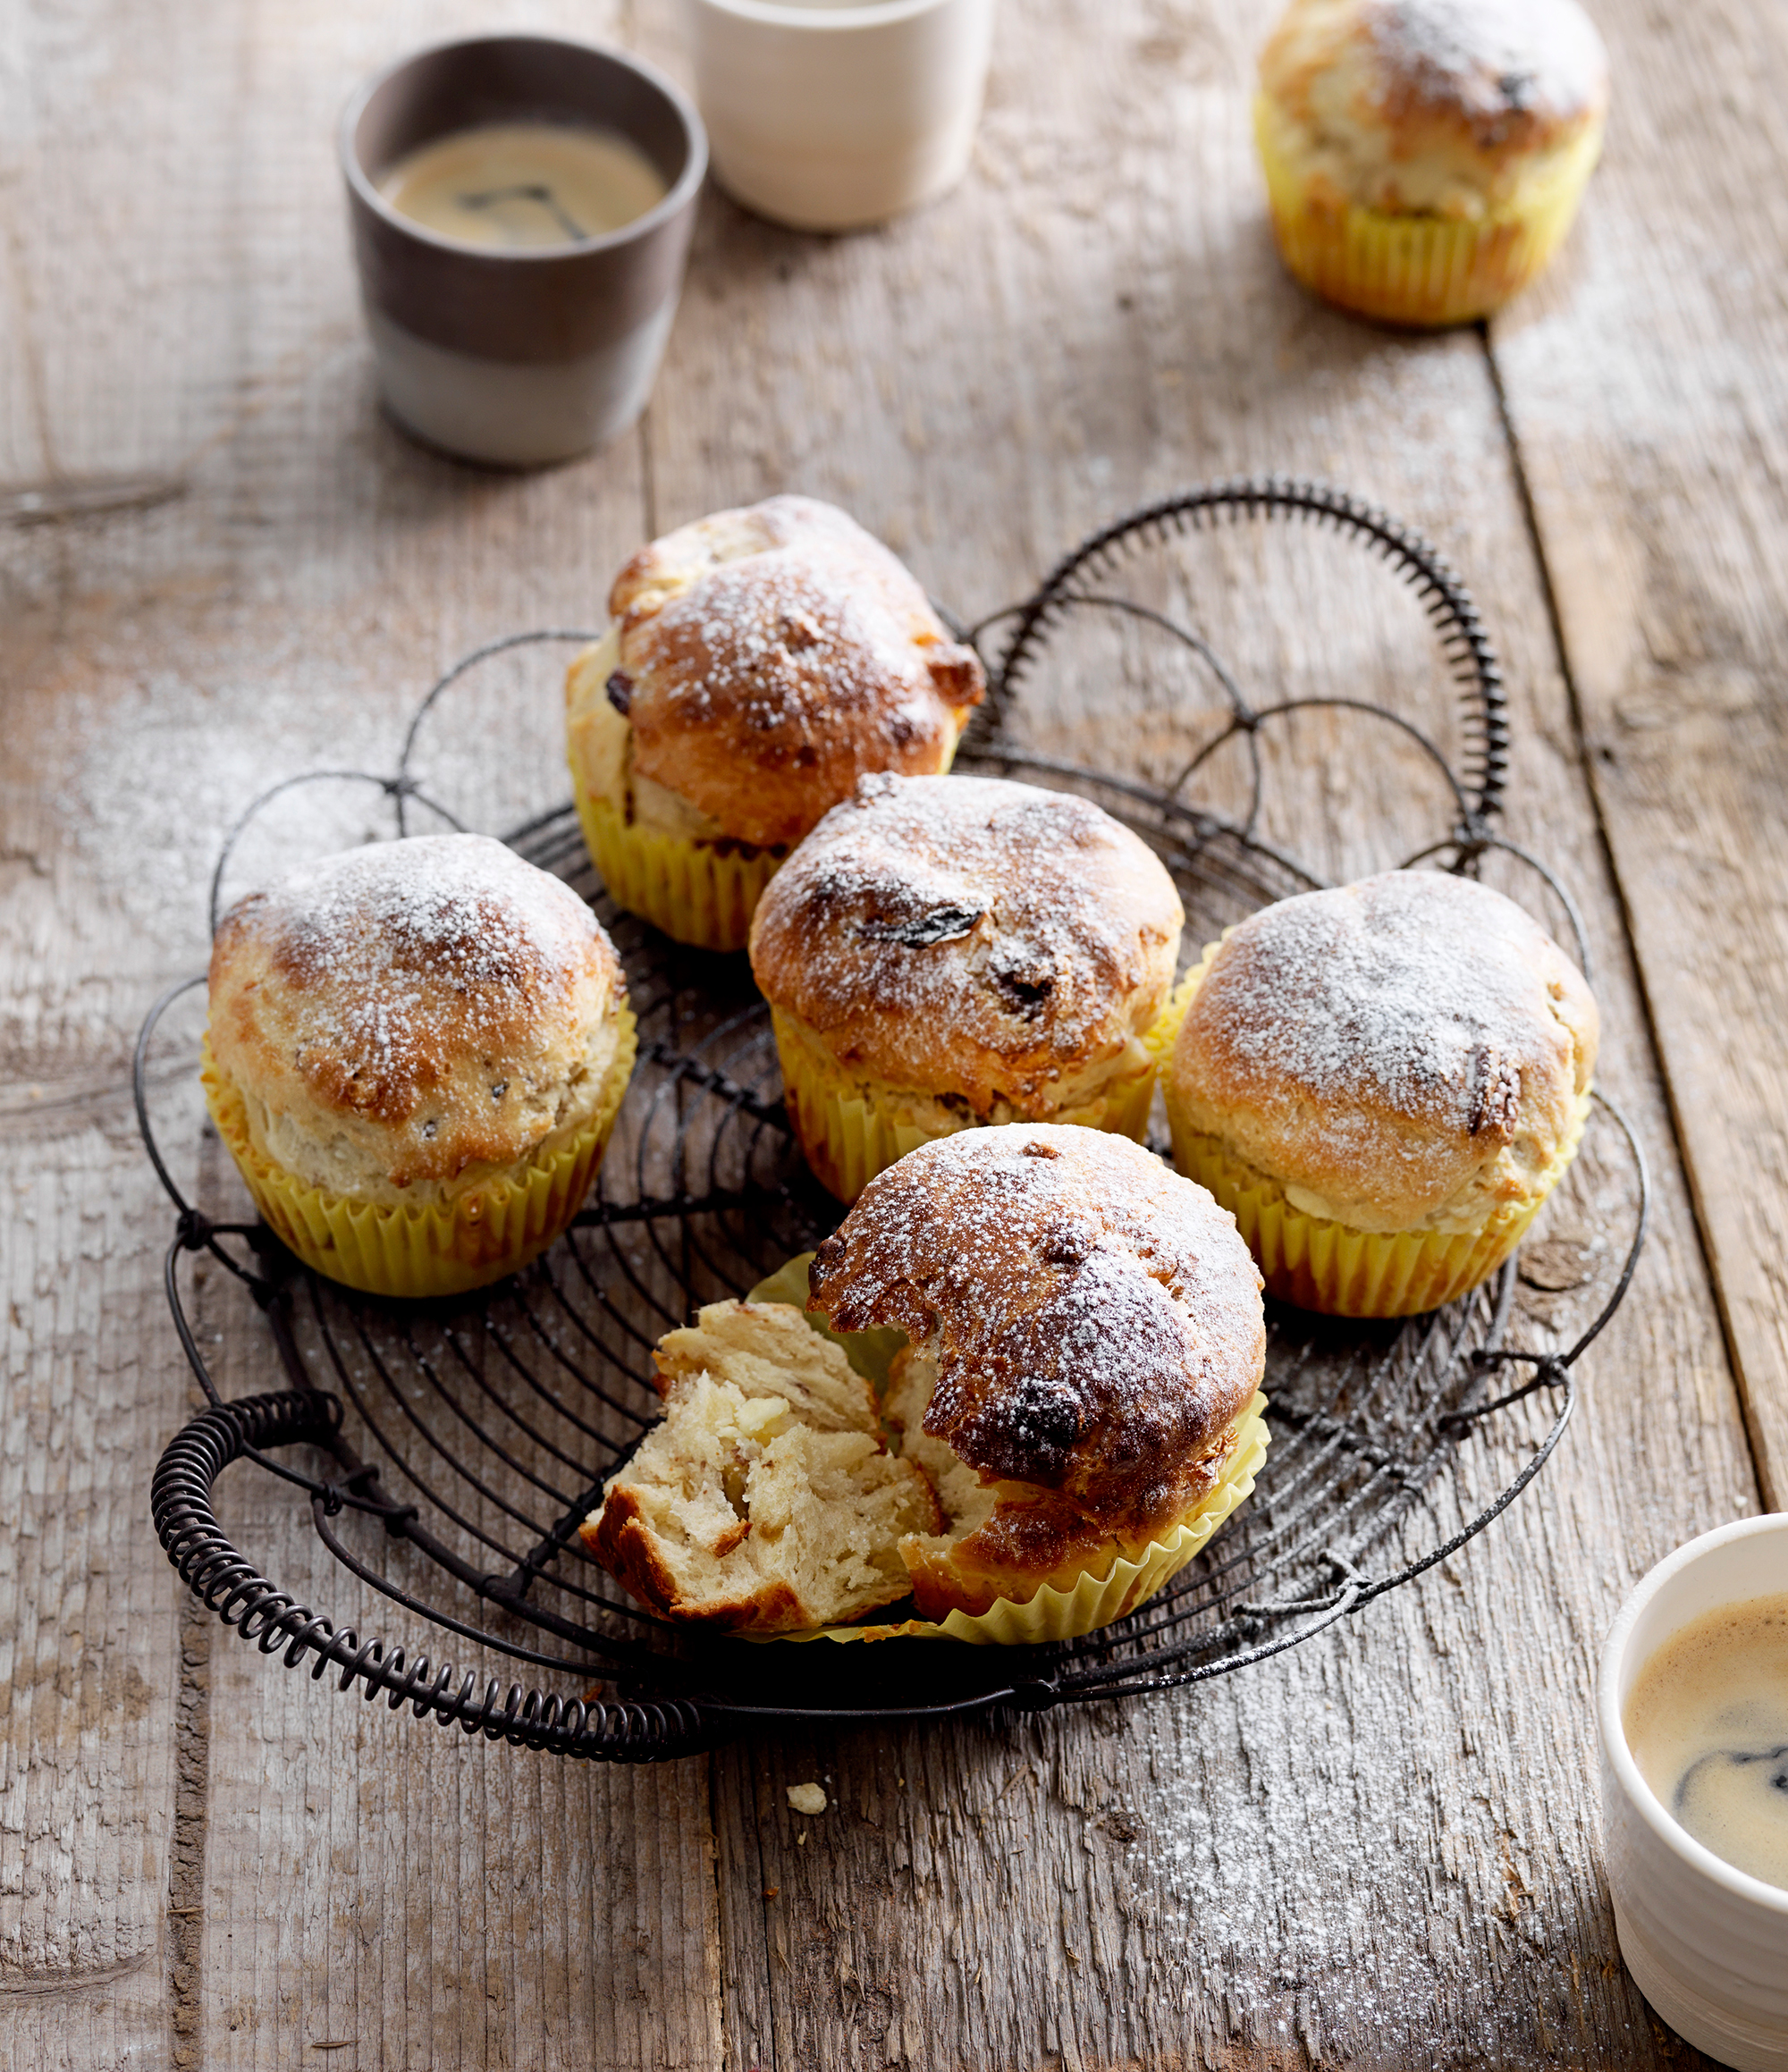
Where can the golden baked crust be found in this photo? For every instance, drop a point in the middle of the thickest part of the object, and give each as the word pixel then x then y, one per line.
pixel 1407 1051
pixel 599 744
pixel 1007 1539
pixel 406 1014
pixel 968 936
pixel 1440 107
pixel 1094 1319
pixel 766 658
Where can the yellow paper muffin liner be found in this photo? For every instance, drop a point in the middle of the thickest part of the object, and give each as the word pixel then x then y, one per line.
pixel 700 893
pixel 848 1139
pixel 696 892
pixel 1096 1599
pixel 414 1251
pixel 1339 1271
pixel 1331 1266
pixel 1421 269
pixel 1162 1039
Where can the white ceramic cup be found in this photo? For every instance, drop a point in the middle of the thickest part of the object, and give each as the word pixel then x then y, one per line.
pixel 1706 1944
pixel 832 114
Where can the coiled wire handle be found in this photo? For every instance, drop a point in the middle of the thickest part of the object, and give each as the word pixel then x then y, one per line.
pixel 274 1621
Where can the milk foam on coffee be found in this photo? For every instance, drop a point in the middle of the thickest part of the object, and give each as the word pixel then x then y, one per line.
pixel 521 186
pixel 1706 1721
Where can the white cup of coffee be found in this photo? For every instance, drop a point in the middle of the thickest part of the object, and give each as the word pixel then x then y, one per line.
pixel 1707 1943
pixel 833 114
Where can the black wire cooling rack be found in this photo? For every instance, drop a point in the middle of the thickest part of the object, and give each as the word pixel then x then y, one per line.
pixel 447 1452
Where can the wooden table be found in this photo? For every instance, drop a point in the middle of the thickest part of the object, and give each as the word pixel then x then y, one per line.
pixel 1380 1849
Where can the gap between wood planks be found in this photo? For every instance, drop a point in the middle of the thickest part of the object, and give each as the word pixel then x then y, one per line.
pixel 186 1846
pixel 1768 1497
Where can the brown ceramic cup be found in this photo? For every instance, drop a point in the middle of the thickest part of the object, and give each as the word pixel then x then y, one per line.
pixel 519 358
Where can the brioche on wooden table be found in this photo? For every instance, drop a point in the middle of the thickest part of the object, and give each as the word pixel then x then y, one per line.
pixel 415 1052
pixel 1384 1083
pixel 1424 159
pixel 759 663
pixel 1086 1346
pixel 945 952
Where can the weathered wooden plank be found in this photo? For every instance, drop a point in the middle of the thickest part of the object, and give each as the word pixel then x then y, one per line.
pixel 114 2020
pixel 1649 386
pixel 387 1887
pixel 87 1631
pixel 89 1387
pixel 22 401
pixel 1381 1849
pixel 286 610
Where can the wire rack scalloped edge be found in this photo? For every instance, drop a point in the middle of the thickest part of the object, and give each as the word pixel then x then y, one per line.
pixel 704 1698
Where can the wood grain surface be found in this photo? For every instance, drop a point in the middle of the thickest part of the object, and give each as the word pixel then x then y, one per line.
pixel 1379 1850
pixel 1647 386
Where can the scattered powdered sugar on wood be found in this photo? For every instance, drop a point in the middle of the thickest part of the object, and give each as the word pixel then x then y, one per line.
pixel 1286 1814
pixel 159 770
pixel 155 766
pixel 1097 1318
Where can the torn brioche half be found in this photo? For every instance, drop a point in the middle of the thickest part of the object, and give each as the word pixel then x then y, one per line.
pixel 765 1500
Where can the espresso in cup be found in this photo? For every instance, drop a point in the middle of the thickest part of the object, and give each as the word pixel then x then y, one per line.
pixel 1706 1720
pixel 518 187
pixel 521 208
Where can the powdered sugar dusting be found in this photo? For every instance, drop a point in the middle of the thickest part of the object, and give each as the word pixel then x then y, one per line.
pixel 1390 1026
pixel 399 948
pixel 1097 1318
pixel 1492 56
pixel 770 656
pixel 787 640
pixel 1401 990
pixel 927 912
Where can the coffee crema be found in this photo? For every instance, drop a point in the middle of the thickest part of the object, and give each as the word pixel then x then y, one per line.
pixel 521 186
pixel 1706 1721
